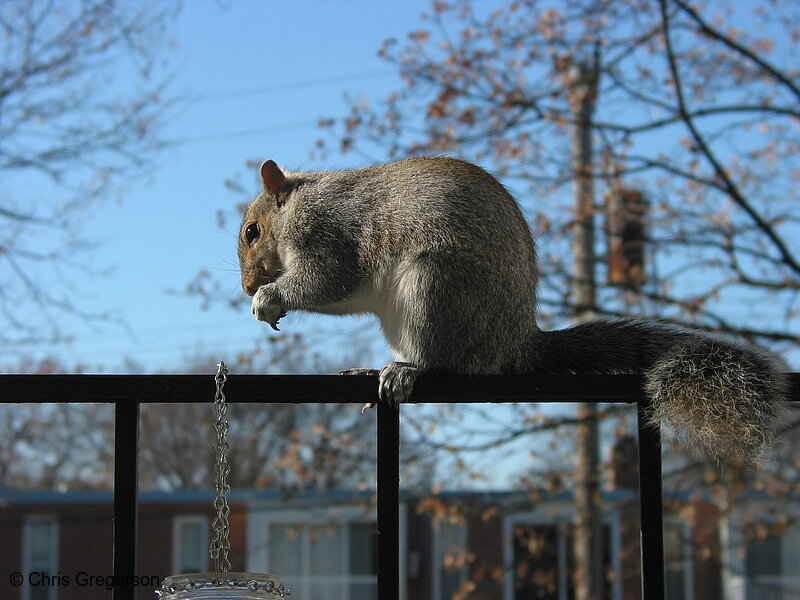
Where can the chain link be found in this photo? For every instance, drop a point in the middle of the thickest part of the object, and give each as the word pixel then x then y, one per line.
pixel 220 545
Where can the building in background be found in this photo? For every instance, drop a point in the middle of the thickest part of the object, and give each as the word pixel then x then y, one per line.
pixel 499 545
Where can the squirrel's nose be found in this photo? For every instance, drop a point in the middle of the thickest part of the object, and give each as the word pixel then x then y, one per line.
pixel 249 290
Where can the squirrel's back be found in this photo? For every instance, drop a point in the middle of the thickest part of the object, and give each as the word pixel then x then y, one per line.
pixel 433 203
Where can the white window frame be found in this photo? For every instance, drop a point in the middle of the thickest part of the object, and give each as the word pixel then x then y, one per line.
pixel 438 553
pixel 560 514
pixel 177 523
pixel 27 565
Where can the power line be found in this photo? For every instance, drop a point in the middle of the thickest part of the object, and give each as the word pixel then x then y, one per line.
pixel 240 133
pixel 293 85
pixel 288 86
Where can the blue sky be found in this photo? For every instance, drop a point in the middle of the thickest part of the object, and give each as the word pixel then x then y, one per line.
pixel 257 77
pixel 254 78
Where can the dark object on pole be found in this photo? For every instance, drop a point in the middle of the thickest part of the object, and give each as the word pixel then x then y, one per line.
pixel 626 210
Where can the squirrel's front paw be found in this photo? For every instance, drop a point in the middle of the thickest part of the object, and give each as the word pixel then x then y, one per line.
pixel 266 308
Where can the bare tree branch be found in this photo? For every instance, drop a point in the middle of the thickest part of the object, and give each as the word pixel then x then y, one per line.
pixel 80 106
pixel 729 186
pixel 713 33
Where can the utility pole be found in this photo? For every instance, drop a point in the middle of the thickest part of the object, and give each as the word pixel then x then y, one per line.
pixel 589 573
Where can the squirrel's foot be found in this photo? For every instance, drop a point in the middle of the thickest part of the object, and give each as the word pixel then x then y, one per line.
pixel 266 308
pixel 395 382
pixel 367 405
pixel 360 372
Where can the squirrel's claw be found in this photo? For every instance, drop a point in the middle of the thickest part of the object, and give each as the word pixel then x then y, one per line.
pixel 373 372
pixel 275 324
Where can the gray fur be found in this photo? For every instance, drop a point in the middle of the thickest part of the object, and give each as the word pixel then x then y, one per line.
pixel 440 252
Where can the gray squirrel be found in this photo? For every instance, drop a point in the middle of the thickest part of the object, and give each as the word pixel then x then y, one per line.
pixel 440 252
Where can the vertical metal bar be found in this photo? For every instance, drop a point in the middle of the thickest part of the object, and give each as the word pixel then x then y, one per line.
pixel 651 507
pixel 126 487
pixel 388 502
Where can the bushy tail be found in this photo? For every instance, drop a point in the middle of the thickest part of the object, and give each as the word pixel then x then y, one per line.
pixel 717 395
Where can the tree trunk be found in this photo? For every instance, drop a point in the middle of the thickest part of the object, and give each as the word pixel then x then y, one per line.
pixel 589 578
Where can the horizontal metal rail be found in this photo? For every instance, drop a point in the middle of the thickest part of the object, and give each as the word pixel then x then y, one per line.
pixel 127 392
pixel 318 388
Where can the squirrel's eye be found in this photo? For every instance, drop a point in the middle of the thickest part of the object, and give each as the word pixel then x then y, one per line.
pixel 251 233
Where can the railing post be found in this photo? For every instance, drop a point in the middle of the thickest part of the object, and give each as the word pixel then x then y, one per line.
pixel 126 487
pixel 388 502
pixel 650 506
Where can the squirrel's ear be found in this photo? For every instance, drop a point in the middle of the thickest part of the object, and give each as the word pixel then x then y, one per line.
pixel 272 176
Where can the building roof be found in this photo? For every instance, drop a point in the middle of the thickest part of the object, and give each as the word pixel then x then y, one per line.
pixel 9 495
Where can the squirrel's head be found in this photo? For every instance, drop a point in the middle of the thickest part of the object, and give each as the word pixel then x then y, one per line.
pixel 259 260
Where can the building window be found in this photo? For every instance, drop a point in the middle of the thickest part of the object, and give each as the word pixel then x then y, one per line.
pixel 40 558
pixel 761 557
pixel 326 561
pixel 677 560
pixel 190 547
pixel 450 556
pixel 771 566
pixel 543 563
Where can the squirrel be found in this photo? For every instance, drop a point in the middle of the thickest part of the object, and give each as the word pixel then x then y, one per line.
pixel 440 252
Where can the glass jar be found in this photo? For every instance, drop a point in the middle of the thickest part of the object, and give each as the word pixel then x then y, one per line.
pixel 221 586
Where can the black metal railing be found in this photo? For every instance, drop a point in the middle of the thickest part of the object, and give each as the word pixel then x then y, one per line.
pixel 127 392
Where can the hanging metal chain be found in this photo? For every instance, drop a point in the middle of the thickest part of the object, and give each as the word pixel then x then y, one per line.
pixel 220 544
